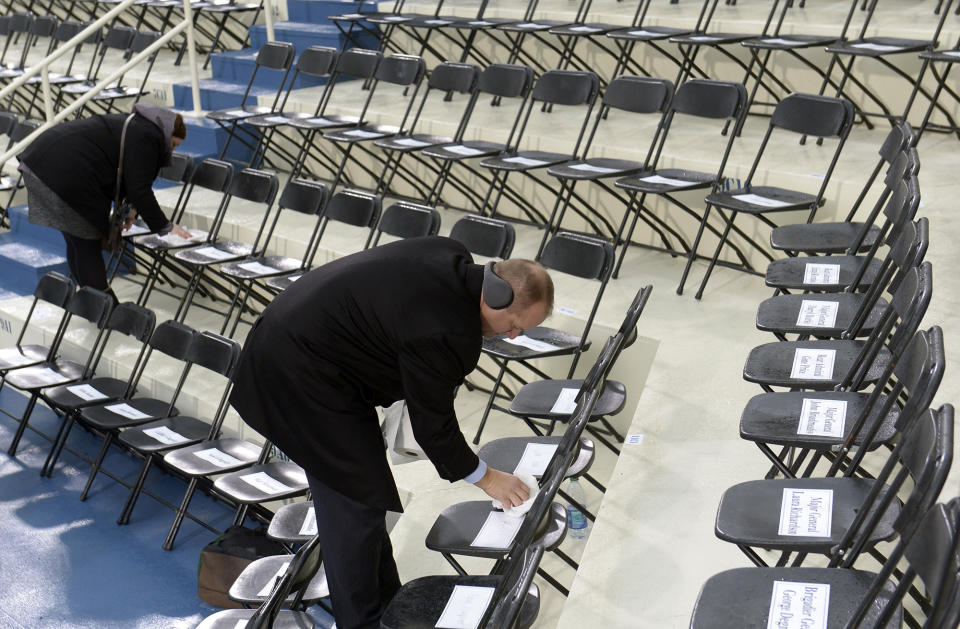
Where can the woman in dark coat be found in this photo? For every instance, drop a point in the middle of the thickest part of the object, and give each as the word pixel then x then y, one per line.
pixel 70 172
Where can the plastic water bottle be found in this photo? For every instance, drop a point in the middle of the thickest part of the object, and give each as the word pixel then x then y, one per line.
pixel 577 522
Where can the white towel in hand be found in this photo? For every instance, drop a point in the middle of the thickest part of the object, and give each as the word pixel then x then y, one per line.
pixel 520 510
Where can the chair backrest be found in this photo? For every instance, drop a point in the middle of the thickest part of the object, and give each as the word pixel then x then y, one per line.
pixel 212 174
pixel 67 30
pixel 214 352
pixel 91 304
pixel 118 38
pixel 401 70
pixel 452 76
pixel 8 120
pixel 483 236
pixel 638 94
pixel 317 61
pixel 173 339
pixel 814 115
pixel 275 55
pixel 707 98
pixel 575 254
pixel 408 220
pixel 142 40
pixel 303 567
pixel 133 320
pixel 254 185
pixel 899 138
pixel 505 80
pixel 359 63
pixel 305 197
pixel 180 168
pixel 566 87
pixel 354 207
pixel 55 288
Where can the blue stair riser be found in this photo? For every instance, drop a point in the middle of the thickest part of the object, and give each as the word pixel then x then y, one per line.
pixel 206 138
pixel 24 262
pixel 237 66
pixel 303 35
pixel 40 235
pixel 319 10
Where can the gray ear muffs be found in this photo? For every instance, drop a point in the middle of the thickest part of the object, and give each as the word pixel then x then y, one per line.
pixel 497 292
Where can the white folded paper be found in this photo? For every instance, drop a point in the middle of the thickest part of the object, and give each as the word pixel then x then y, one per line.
pixel 521 509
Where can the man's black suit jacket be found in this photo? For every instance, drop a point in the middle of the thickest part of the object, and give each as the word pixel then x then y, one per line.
pixel 399 321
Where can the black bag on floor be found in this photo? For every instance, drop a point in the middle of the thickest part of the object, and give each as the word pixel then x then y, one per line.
pixel 223 559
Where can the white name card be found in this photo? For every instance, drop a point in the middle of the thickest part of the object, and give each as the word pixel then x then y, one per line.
pixel 438 22
pixel 813 364
pixel 258 268
pixel 667 181
pixel 361 133
pixel 525 341
pixel 318 120
pixel 498 531
pixel 480 23
pixel 877 47
pixel 213 253
pixel 524 161
pixel 590 168
pixel 583 29
pixel 633 440
pixel 566 402
pixel 309 526
pixel 460 149
pixel 806 512
pixel 756 199
pixel 272 581
pixel 535 458
pixel 87 392
pixel 528 25
pixel 294 278
pixel 822 418
pixel 818 314
pixel 218 457
pixel 780 41
pixel 465 607
pixel 276 119
pixel 799 605
pixel 126 410
pixel 236 112
pixel 395 18
pixel 41 375
pixel 642 33
pixel 265 483
pixel 703 38
pixel 349 16
pixel 952 53
pixel 821 273
pixel 411 142
pixel 165 435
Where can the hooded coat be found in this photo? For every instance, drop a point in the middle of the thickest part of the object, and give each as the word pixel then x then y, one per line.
pixel 78 160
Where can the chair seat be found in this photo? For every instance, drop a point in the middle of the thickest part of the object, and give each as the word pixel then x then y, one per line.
pixel 231 619
pixel 741 598
pixel 415 142
pixel 276 119
pixel 430 21
pixel 214 253
pixel 524 160
pixel 647 33
pixel 156 242
pixel 125 413
pixel 277 480
pixel 77 87
pixel 789 42
pixel 43 375
pixel 163 434
pixel 474 24
pixel 238 113
pixel 463 150
pixel 532 26
pixel 508 453
pixel 290 520
pixel 878 46
pixel 124 91
pixel 24 356
pixel 826 238
pixel 68 397
pixel 538 342
pixel 389 18
pixel 948 55
pixel 420 603
pixel 782 314
pixel 775 418
pixel 666 180
pixel 595 168
pixel 280 284
pixel 752 513
pixel 817 365
pixel 324 122
pixel 230 8
pixel 539 399
pixel 581 30
pixel 822 273
pixel 711 39
pixel 255 583
pixel 457 527
pixel 363 133
pixel 213 457
pixel 762 199
pixel 264 266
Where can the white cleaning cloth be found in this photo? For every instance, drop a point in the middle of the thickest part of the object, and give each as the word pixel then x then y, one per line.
pixel 519 511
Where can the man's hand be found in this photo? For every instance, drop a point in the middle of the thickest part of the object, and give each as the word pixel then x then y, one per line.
pixel 506 488
pixel 179 231
pixel 128 222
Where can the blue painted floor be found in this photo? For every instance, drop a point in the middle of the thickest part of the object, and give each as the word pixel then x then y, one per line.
pixel 66 563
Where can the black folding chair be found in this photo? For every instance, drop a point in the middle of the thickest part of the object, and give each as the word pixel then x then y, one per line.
pixel 113 46
pixel 946 56
pixel 407 220
pixel 56 290
pixel 118 97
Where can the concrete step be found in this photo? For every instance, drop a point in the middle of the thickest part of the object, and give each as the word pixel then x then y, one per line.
pixel 314 11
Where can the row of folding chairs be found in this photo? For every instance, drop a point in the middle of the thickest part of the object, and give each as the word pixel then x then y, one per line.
pixel 862 455
pixel 15 129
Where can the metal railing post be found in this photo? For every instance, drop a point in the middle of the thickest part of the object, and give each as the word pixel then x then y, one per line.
pixel 192 58
pixel 268 9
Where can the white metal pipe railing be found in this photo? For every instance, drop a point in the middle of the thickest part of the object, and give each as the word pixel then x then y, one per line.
pixel 268 20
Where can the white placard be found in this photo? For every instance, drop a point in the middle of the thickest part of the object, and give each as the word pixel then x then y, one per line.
pixel 318 120
pixel 818 314
pixel 87 392
pixel 438 22
pixel 136 230
pixel 465 607
pixel 412 142
pixel 567 311
pixel 265 483
pixel 12 356
pixel 460 149
pixel 583 29
pixel 480 23
pixel 350 16
pixel 666 181
pixel 361 133
pixel 952 53
pixel 235 112
pixel 165 435
pixel 213 253
pixel 799 605
pixel 41 374
pixel 703 38
pixel 590 168
pixel 528 25
pixel 536 457
pixel 806 512
pixel 822 418
pixel 781 41
pixel 272 581
pixel 877 47
pixel 634 439
pixel 275 119
pixel 756 199
pixel 566 402
pixel 218 457
pixel 294 278
pixel 813 364
pixel 256 267
pixel 498 531
pixel 176 241
pixel 241 624
pixel 525 341
pixel 821 273
pixel 309 526
pixel 395 18
pixel 126 410
pixel 642 33
pixel 523 161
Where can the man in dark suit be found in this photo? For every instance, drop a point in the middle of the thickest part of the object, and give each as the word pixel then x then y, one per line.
pixel 400 321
